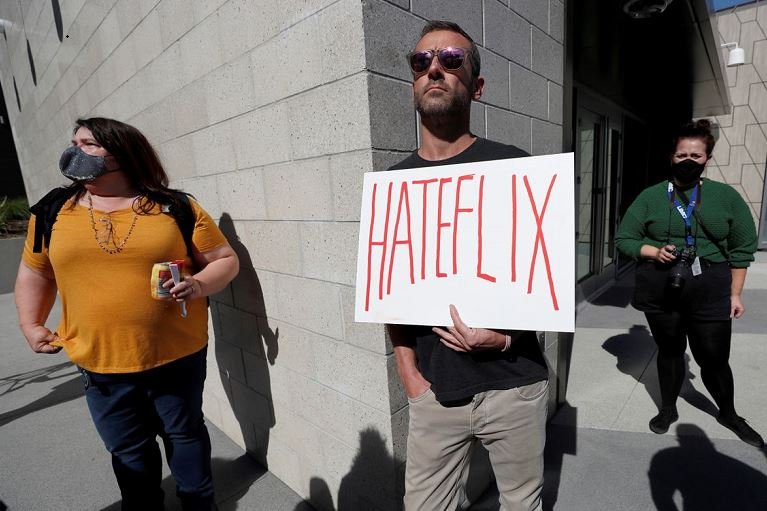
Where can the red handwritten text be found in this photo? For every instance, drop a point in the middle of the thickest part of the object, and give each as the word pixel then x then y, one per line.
pixel 468 211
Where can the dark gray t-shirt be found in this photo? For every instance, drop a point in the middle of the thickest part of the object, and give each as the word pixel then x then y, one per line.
pixel 456 376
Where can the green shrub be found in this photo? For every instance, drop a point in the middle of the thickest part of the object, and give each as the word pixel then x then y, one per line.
pixel 12 209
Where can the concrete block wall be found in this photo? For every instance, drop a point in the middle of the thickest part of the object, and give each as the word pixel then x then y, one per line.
pixel 740 154
pixel 269 113
pixel 262 111
pixel 522 52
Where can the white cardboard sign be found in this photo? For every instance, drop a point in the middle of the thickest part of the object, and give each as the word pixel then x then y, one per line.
pixel 494 238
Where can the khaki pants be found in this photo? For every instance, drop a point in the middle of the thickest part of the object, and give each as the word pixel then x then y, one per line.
pixel 511 424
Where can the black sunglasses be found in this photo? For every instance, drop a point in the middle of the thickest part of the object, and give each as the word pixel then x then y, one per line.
pixel 450 58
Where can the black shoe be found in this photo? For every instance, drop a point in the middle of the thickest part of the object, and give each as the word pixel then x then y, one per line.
pixel 660 423
pixel 740 427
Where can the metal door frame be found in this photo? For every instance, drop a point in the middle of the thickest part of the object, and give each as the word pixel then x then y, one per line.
pixel 611 124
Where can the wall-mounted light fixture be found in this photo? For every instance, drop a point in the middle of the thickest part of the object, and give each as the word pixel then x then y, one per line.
pixel 737 55
pixel 5 25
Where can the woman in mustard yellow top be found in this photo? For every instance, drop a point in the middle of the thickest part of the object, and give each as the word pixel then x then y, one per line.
pixel 142 363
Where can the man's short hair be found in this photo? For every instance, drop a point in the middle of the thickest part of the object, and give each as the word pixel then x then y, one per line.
pixel 474 60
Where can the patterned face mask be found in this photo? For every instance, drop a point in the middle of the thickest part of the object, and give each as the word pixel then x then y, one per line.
pixel 79 166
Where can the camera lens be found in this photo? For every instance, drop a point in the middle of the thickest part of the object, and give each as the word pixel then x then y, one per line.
pixel 675 281
pixel 677 273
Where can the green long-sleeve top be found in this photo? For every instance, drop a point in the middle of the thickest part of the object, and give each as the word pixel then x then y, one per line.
pixel 652 220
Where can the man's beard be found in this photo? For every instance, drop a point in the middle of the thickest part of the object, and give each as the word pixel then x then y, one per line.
pixel 443 106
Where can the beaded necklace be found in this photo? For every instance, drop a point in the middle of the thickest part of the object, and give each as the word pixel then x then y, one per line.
pixel 109 235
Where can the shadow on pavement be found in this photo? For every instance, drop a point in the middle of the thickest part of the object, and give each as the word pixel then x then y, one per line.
pixel 632 357
pixel 232 478
pixel 18 381
pixel 619 295
pixel 61 393
pixel 702 478
pixel 560 440
pixel 632 352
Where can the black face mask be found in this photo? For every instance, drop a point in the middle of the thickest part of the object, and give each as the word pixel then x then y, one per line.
pixel 79 166
pixel 687 171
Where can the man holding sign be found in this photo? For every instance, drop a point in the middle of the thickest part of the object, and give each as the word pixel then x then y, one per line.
pixel 464 383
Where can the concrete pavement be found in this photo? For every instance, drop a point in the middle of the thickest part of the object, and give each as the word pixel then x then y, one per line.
pixel 600 454
pixel 51 458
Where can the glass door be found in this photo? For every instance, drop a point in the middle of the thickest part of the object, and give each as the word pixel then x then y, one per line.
pixel 588 158
pixel 598 158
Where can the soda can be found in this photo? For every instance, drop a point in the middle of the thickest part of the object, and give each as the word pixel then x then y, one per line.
pixel 160 274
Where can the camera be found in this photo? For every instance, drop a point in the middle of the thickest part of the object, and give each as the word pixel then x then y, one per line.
pixel 679 272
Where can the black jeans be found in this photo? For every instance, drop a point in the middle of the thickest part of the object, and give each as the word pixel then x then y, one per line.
pixel 131 409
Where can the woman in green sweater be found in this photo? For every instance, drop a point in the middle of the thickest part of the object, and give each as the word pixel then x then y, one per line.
pixel 694 239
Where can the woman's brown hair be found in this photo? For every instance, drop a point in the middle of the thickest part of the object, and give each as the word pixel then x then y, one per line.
pixel 136 158
pixel 700 129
